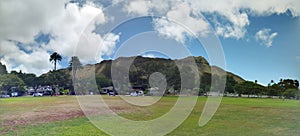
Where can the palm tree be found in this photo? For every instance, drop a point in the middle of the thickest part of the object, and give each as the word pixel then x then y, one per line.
pixel 271 83
pixel 2 69
pixel 75 64
pixel 54 57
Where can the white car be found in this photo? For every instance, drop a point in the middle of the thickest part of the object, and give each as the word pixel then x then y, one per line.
pixel 4 96
pixel 37 94
pixel 14 94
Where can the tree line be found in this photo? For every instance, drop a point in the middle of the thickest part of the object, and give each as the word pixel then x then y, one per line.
pixel 139 73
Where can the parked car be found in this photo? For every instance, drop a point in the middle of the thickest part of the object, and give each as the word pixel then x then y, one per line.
pixel 113 93
pixel 4 96
pixel 14 94
pixel 37 94
pixel 137 93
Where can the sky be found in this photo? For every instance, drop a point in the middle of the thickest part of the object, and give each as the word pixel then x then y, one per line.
pixel 259 39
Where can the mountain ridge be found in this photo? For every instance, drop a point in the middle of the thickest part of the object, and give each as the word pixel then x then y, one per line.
pixel 203 65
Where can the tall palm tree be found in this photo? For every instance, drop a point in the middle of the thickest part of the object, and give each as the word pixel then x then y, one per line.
pixel 271 83
pixel 54 57
pixel 75 64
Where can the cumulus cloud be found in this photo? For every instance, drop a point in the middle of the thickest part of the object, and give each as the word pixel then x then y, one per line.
pixel 170 29
pixel 21 21
pixel 74 32
pixel 232 15
pixel 71 26
pixel 16 59
pixel 191 20
pixel 265 37
pixel 139 7
pixel 231 21
pixel 237 27
pixel 92 46
pixel 180 22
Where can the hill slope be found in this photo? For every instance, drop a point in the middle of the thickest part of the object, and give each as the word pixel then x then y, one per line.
pixel 138 73
pixel 142 67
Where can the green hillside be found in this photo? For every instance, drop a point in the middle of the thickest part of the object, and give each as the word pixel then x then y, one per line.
pixel 142 67
pixel 139 72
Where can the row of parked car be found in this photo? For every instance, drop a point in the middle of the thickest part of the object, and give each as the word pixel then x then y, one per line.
pixel 4 96
pixel 13 94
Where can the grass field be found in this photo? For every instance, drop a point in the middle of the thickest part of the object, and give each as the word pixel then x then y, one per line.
pixel 235 116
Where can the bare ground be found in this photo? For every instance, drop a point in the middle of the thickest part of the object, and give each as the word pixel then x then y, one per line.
pixel 59 109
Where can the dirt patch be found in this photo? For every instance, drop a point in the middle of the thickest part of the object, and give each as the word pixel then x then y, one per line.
pixel 60 109
pixel 34 117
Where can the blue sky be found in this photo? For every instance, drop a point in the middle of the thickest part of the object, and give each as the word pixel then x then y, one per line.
pixel 250 59
pixel 247 57
pixel 260 40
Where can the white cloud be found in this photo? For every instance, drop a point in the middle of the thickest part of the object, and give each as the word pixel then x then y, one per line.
pixel 192 21
pixel 92 46
pixel 265 37
pixel 180 22
pixel 140 7
pixel 232 15
pixel 22 20
pixel 170 29
pixel 16 59
pixel 235 19
pixel 74 28
pixel 236 29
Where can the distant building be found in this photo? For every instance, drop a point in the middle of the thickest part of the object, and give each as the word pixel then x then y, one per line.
pixel 45 90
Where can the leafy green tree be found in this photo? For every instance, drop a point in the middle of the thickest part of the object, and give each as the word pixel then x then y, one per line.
pixel 2 69
pixel 273 89
pixel 62 78
pixel 285 84
pixel 217 80
pixel 289 84
pixel 75 64
pixel 249 88
pixel 7 81
pixel 189 76
pixel 291 93
pixel 54 58
pixel 103 81
pixel 240 88
pixel 28 78
pixel 173 78
pixel 205 83
pixel 230 83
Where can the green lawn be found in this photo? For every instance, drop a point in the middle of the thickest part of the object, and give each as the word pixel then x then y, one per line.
pixel 235 116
